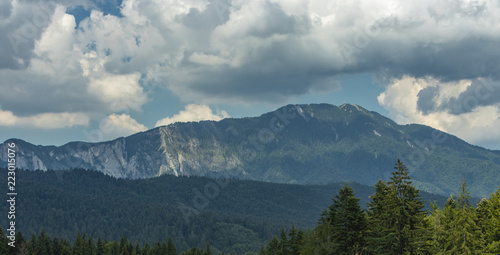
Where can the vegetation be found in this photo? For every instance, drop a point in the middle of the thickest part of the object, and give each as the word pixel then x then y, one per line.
pixel 396 223
pixel 395 220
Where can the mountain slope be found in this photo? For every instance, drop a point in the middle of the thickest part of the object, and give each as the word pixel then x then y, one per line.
pixel 303 144
pixel 232 215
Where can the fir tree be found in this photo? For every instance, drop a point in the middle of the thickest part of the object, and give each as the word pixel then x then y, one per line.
pixel 489 213
pixel 79 244
pixel 146 250
pixel 464 235
pixel 43 244
pixel 283 243
pixel 397 216
pixel 347 223
pixel 171 247
pixel 295 241
pixel 208 251
pixel 56 247
pixel 380 225
pixel 437 228
pixel 273 246
pixel 100 247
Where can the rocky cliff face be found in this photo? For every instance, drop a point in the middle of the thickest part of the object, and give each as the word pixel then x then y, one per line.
pixel 294 144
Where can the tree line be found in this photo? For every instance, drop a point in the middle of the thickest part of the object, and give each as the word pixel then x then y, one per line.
pixel 43 244
pixel 395 222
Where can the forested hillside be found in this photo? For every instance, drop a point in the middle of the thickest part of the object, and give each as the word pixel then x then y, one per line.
pixel 231 215
pixel 395 221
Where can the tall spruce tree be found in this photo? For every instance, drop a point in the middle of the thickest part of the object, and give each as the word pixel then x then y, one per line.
pixel 436 227
pixel 488 213
pixel 79 244
pixel 380 225
pixel 100 247
pixel 397 216
pixel 171 247
pixel 346 222
pixel 464 234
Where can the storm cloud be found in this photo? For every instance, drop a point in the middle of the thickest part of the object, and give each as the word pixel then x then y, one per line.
pixel 239 51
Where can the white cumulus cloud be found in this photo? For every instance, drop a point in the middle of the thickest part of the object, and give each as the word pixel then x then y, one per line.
pixel 193 112
pixel 44 120
pixel 119 125
pixel 468 118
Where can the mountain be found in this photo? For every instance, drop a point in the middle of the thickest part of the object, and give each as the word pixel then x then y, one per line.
pixel 302 144
pixel 234 216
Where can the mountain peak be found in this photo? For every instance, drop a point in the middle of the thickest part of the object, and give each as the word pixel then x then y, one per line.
pixel 304 144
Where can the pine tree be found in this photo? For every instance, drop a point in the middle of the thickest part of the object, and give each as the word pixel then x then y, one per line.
pixel 397 217
pixel 100 247
pixel 208 251
pixel 43 244
pixel 156 248
pixel 146 250
pixel 273 246
pixel 31 244
pixel 437 229
pixel 347 223
pixel 380 225
pixel 295 241
pixel 56 247
pixel 20 245
pixel 262 250
pixel 65 247
pixel 489 220
pixel 464 234
pixel 171 247
pixel 284 247
pixel 79 244
pixel 138 251
pixel 123 245
pixel 90 247
pixel 164 249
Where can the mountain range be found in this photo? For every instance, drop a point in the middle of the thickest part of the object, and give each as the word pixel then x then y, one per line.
pixel 297 144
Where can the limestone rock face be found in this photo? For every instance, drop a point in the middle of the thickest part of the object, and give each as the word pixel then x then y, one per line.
pixel 303 144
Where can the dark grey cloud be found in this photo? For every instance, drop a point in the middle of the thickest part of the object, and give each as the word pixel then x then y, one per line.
pixel 481 92
pixel 50 96
pixel 427 99
pixel 21 28
pixel 216 13
pixel 277 22
pixel 467 58
pixel 5 9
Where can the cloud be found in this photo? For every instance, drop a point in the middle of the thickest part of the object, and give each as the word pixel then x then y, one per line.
pixel 241 52
pixel 65 73
pixel 458 108
pixel 121 92
pixel 122 125
pixel 193 112
pixel 44 120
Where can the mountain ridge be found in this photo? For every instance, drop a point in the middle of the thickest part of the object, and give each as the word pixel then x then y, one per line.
pixel 303 144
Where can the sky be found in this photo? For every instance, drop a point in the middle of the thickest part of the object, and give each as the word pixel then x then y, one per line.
pixel 95 70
